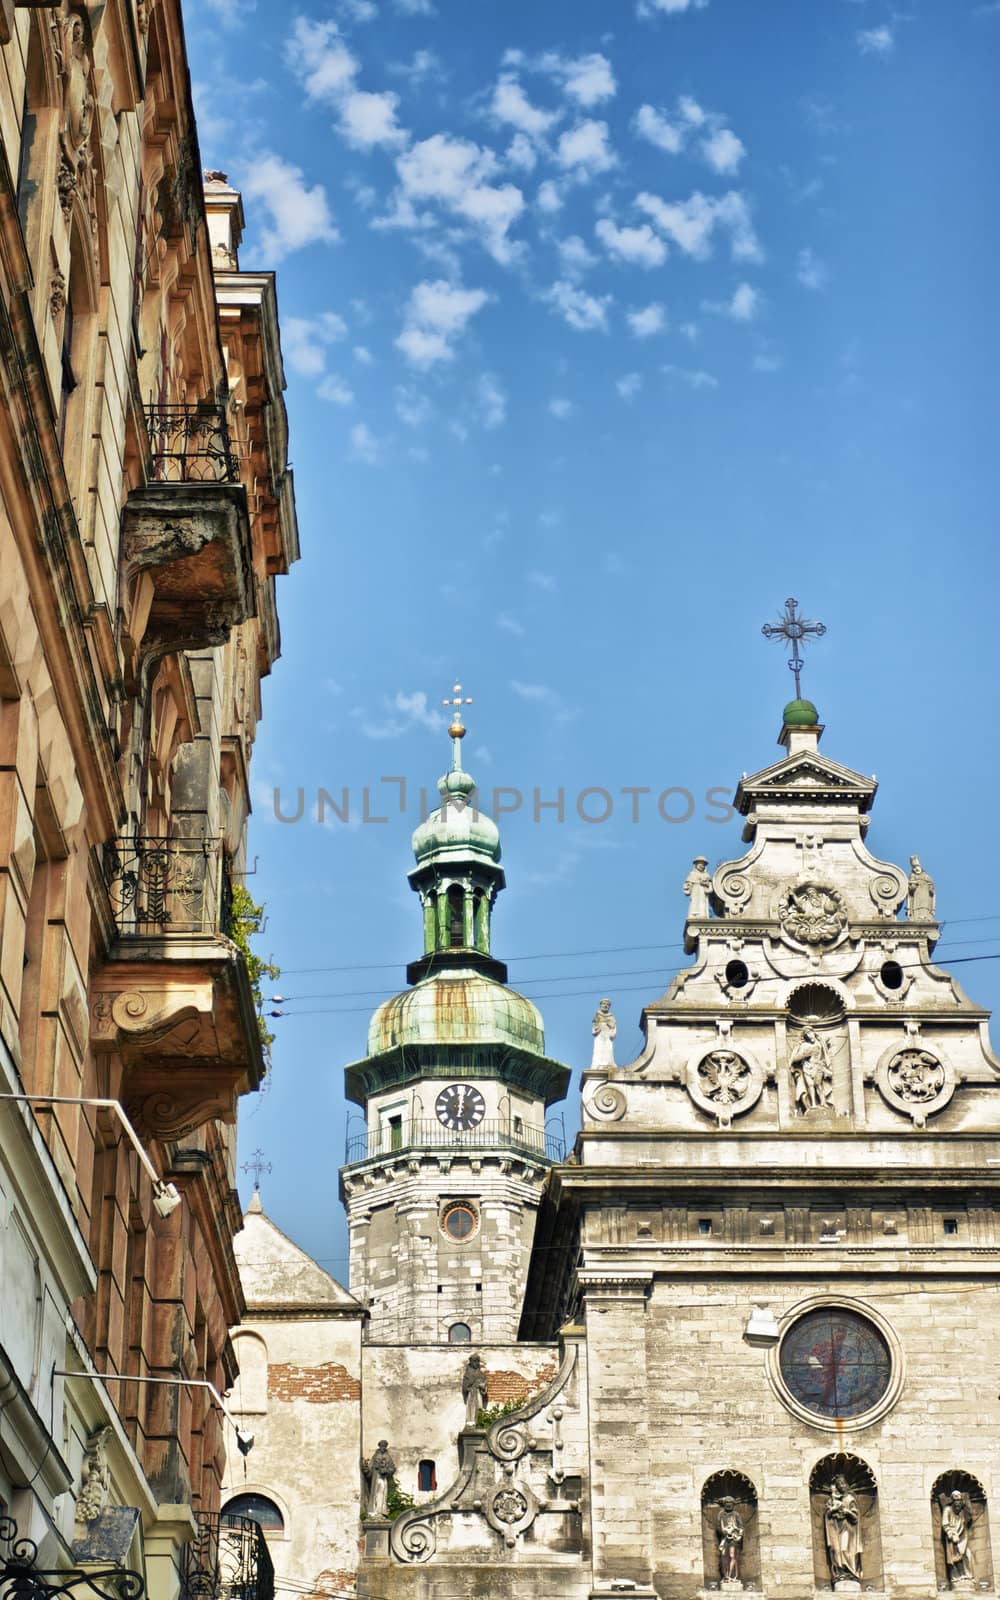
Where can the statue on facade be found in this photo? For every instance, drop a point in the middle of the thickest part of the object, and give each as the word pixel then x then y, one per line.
pixel 604 1028
pixel 77 109
pixel 920 893
pixel 95 1476
pixel 812 1074
pixel 729 1532
pixel 698 886
pixel 474 1390
pixel 842 1527
pixel 379 1472
pixel 956 1525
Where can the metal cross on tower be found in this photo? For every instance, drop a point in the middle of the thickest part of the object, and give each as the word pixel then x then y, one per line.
pixel 258 1166
pixel 794 630
pixel 457 701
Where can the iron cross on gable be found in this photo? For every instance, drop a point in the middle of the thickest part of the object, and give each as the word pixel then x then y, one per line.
pixel 257 1165
pixel 794 630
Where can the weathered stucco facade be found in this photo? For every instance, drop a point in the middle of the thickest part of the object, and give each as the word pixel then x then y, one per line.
pixel 146 510
pixel 757 1346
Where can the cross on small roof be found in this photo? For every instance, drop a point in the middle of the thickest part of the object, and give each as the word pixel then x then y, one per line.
pixel 794 630
pixel 258 1166
pixel 457 701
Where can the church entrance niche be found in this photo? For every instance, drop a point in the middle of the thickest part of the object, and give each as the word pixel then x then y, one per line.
pixel 847 1543
pixel 730 1545
pixel 963 1560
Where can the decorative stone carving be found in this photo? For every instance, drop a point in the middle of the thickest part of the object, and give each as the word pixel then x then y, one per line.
pixel 474 1389
pixel 77 112
pixel 606 1104
pixel 914 1080
pixel 956 1525
pixel 57 294
pixel 729 1532
pixel 605 1029
pixel 812 1073
pixel 729 1536
pixel 95 1476
pixel 724 1081
pixel 698 887
pixel 920 893
pixel 812 915
pixel 842 1526
pixel 378 1473
pixel 511 1509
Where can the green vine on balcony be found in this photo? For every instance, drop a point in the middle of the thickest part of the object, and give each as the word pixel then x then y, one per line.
pixel 246 919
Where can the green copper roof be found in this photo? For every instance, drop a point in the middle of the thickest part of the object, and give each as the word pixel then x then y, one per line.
pixel 801 714
pixel 458 828
pixel 457 1007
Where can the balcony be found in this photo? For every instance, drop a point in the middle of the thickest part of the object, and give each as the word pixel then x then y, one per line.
pixel 227 1560
pixel 168 886
pixel 187 531
pixel 428 1134
pixel 173 998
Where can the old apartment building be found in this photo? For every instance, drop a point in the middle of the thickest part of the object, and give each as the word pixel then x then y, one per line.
pixel 146 512
pixel 747 1328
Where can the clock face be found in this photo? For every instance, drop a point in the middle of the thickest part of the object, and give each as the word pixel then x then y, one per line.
pixel 460 1107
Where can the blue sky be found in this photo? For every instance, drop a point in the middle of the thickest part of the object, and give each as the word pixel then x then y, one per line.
pixel 608 325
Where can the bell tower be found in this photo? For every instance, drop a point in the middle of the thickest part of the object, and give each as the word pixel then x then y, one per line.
pixel 442 1188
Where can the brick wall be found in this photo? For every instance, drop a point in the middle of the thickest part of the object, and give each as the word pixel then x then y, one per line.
pixel 318 1385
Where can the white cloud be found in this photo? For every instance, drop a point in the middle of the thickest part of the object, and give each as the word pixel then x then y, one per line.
pixel 359 10
pixel 691 111
pixel 539 694
pixel 454 172
pixel 585 149
pixel 336 391
pixel 652 8
pixel 811 271
pixel 588 80
pixel 436 316
pixel 745 304
pixel 549 198
pixel 629 385
pixel 405 712
pixel 561 408
pixel 491 400
pixel 543 580
pixel 412 408
pixel 876 41
pixel 510 624
pixel 521 153
pixel 585 312
pixel 363 355
pixel 367 120
pixel 574 255
pixel 647 320
pixel 425 64
pixel 653 125
pixel 321 60
pixel 415 8
pixel 511 105
pixel 640 246
pixel 691 223
pixel 723 151
pixel 231 13
pixel 364 445
pixel 297 215
pixel 303 341
pixel 695 378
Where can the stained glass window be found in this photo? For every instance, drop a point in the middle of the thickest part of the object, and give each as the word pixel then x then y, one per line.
pixel 835 1362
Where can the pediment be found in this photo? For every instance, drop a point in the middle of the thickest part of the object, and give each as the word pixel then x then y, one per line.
pixel 806 773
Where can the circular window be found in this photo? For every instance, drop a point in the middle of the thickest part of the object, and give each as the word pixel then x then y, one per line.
pixel 836 1364
pixel 737 974
pixel 459 1221
pixel 892 975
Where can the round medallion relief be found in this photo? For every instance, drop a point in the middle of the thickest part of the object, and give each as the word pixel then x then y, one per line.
pixel 914 1080
pixel 812 914
pixel 837 1363
pixel 724 1080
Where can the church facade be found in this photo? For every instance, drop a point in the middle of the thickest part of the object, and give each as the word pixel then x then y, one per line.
pixel 743 1338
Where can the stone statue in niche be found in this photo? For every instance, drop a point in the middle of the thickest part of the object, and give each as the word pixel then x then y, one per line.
pixel 95 1476
pixel 698 886
pixel 920 893
pixel 729 1532
pixel 605 1029
pixel 379 1472
pixel 724 1077
pixel 956 1525
pixel 812 1073
pixel 842 1528
pixel 474 1389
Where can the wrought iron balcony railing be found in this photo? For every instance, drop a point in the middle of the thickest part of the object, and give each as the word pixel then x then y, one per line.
pixel 426 1133
pixel 227 1560
pixel 160 886
pixel 191 444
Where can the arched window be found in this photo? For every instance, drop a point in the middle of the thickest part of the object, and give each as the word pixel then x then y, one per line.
pixel 249 1392
pixel 426 1476
pixel 456 917
pixel 258 1508
pixel 460 1333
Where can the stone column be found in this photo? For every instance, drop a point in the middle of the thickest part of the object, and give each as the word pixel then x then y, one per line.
pixel 621 1490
